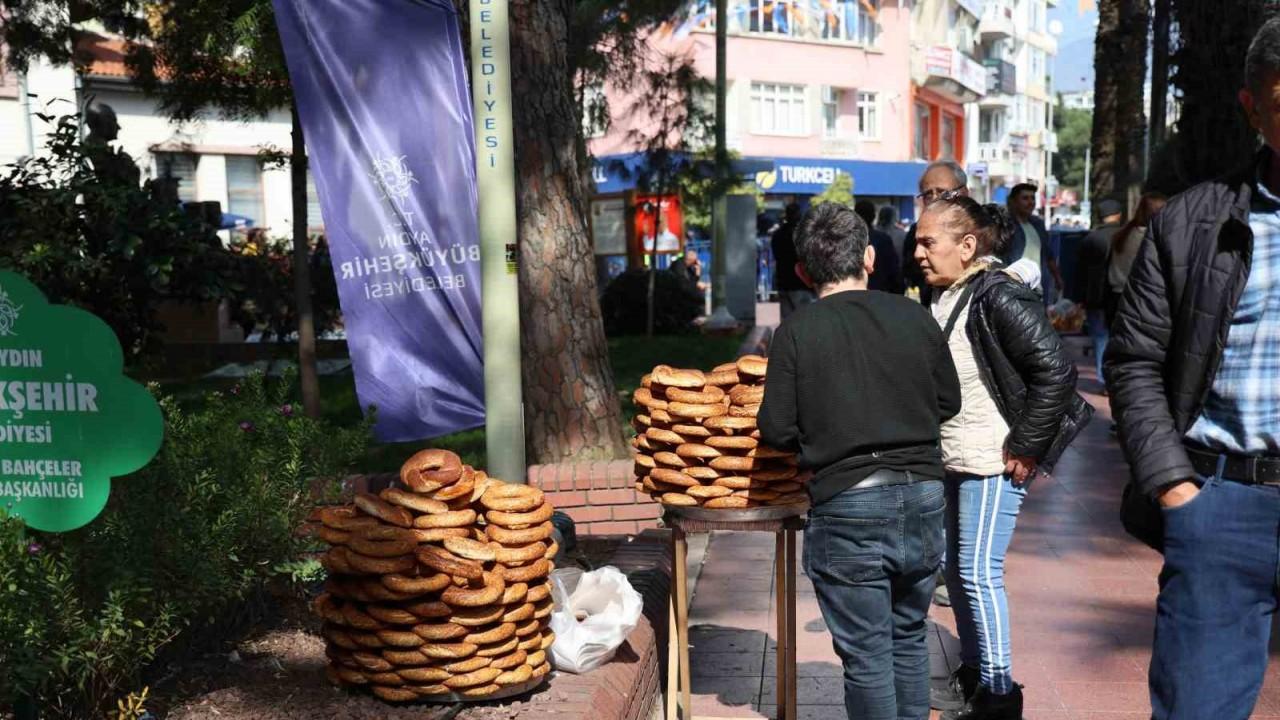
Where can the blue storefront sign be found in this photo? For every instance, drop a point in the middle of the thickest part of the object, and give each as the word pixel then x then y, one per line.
pixel 781 176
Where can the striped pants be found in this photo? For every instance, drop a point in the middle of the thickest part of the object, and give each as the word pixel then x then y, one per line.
pixel 981 514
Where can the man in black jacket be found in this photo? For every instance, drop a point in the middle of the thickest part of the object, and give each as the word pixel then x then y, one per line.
pixel 887 274
pixel 792 292
pixel 859 384
pixel 1194 373
pixel 1091 276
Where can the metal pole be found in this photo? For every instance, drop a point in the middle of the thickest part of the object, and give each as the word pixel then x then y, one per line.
pixel 720 316
pixel 1088 158
pixel 499 254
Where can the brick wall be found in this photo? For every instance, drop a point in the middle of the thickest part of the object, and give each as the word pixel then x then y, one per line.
pixel 600 496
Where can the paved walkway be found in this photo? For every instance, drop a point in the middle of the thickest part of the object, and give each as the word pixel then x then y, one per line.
pixel 1082 595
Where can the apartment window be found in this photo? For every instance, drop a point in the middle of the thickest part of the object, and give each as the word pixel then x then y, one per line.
pixel 948 137
pixel 244 187
pixel 860 20
pixel 869 115
pixel 1037 65
pixel 315 222
pixel 1036 15
pixel 830 112
pixel 923 117
pixel 990 126
pixel 595 111
pixel 778 109
pixel 182 167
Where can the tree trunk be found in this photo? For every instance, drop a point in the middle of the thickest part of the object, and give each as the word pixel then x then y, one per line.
pixel 1119 122
pixel 571 405
pixel 1159 74
pixel 307 374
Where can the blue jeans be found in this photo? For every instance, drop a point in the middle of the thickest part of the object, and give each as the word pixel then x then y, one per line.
pixel 872 555
pixel 1217 598
pixel 981 514
pixel 1096 323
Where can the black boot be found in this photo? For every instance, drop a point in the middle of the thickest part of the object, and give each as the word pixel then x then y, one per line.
pixel 960 687
pixel 987 706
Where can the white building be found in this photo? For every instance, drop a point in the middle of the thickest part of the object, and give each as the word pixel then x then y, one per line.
pixel 214 158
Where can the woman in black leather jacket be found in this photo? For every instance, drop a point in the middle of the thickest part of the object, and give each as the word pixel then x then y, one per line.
pixel 1018 411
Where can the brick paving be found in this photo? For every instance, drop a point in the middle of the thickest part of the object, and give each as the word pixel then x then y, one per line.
pixel 1082 597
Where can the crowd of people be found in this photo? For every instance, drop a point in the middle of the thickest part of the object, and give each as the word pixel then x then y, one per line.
pixel 926 433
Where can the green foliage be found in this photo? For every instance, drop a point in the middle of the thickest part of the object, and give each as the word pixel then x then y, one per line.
pixel 676 302
pixel 263 285
pixel 839 191
pixel 1074 127
pixel 103 244
pixel 205 525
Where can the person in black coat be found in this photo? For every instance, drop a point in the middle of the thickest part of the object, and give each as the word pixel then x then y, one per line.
pixel 887 274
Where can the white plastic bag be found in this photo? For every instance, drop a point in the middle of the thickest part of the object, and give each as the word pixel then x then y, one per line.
pixel 595 612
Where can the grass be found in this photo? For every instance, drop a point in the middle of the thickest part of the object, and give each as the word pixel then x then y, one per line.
pixel 631 358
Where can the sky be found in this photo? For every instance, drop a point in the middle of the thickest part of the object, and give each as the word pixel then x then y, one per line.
pixel 1074 64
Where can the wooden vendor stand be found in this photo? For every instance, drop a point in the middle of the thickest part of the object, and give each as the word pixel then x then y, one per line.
pixel 783 521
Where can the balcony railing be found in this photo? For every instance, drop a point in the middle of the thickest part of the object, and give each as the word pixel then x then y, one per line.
pixel 848 21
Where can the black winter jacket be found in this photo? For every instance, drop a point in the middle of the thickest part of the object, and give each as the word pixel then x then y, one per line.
pixel 1025 366
pixel 1171 326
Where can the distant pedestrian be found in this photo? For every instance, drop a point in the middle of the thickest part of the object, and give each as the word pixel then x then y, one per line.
pixel 887 274
pixel 1125 245
pixel 941 179
pixel 1091 276
pixel 1031 240
pixel 792 292
pixel 887 222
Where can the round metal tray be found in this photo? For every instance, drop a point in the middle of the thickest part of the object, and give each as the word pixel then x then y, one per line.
pixel 755 514
pixel 506 692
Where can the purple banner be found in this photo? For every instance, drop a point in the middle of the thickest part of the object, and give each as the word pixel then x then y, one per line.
pixel 381 88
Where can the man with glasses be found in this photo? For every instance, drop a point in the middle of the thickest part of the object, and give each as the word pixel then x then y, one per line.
pixel 941 179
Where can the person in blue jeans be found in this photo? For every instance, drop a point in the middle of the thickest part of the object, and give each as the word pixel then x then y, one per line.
pixel 859 383
pixel 1092 266
pixel 1018 411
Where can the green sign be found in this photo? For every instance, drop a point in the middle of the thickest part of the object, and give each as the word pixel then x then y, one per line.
pixel 69 418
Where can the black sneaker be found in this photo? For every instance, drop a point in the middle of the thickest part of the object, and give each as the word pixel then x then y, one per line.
pixel 960 687
pixel 984 705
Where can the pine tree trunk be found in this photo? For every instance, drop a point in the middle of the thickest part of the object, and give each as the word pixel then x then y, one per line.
pixel 571 405
pixel 1119 118
pixel 1159 73
pixel 307 373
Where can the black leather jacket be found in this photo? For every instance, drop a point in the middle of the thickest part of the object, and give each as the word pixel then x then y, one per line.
pixel 1025 366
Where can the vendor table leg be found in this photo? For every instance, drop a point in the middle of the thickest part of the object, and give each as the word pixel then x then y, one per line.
pixel 780 603
pixel 682 621
pixel 673 655
pixel 791 623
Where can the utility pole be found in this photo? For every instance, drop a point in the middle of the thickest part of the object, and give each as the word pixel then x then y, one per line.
pixel 720 317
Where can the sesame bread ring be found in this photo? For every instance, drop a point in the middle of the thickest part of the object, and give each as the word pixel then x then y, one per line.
pixel 424 674
pixel 732 442
pixel 488 594
pixel 696 410
pixel 507 536
pixel 765 452
pixel 340 637
pixel 470 549
pixel 370 661
pixel 382 549
pixel 351 677
pixel 480 691
pixel 521 674
pixel 708 394
pixel 507 662
pixel 731 502
pixel 400 638
pixel 331 673
pixel 735 463
pixel 339 656
pixel 404 658
pixel 506 647
pixel 661 417
pixel 644 398
pixel 640 422
pixel 483 676
pixel 706 492
pixel 641 442
pixel 520 520
pixel 519 614
pixel 497 634
pixel 450 519
pixel 441 560
pixel 509 555
pixel 672 477
pixel 366 565
pixel 544 609
pixel 385 679
pixel 509 497
pixel 383 510
pixel 448 651
pixel 394 694
pixel 346 518
pixel 776 474
pixel 430 690
pixel 663 436
pixel 679 499
pixel 723 378
pixel 548 639
pixel 514 593
pixel 439 631
pixel 407 585
pixel 536 658
pixel 333 536
pixel 528 628
pixel 477 616
pixel 702 472
pixel 429 609
pixel 691 431
pixel 538 593
pixel 730 423
pixel 697 450
pixel 430 470
pixel 541 671
pixel 386 532
pixel 430 535
pixel 460 489
pixel 536 570
pixel 552 550
pixel 672 377
pixel 481 484
pixel 368 640
pixel 328 608
pixel 646 380
pixel 759 495
pixel 644 463
pixel 346 590
pixel 739 482
pixel 747 411
pixel 391 615
pixel 375 590
pixel 746 394
pixel 650 485
pixel 531 643
pixel 753 365
pixel 413 501
pixel 670 459
pixel 466 665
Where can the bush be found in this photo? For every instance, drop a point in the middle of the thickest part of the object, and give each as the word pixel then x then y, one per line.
pixel 676 303
pixel 207 524
pixel 263 285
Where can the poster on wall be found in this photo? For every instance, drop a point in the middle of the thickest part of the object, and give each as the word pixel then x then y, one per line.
pixel 659 223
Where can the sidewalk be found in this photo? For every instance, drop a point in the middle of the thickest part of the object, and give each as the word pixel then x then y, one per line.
pixel 1082 597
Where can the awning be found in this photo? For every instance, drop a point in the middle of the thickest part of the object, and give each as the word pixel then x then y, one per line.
pixel 809 176
pixel 619 173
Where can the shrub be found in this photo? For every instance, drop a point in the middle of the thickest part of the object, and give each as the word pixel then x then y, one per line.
pixel 205 525
pixel 675 303
pixel 262 285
